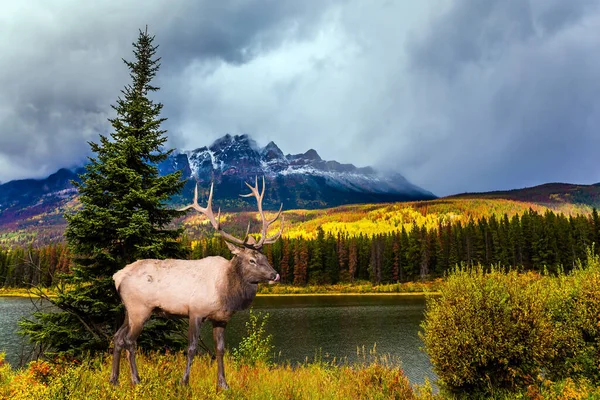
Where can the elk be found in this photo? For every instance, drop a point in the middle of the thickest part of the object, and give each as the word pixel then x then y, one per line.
pixel 212 288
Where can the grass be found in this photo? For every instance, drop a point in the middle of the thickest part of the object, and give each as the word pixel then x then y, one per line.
pixel 359 287
pixel 23 292
pixel 161 374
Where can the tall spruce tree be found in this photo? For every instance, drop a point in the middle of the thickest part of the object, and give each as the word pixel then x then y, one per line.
pixel 123 217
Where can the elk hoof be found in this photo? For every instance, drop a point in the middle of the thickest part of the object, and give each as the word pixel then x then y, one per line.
pixel 185 381
pixel 136 380
pixel 114 381
pixel 222 385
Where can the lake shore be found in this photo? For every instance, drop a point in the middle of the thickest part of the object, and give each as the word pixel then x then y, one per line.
pixel 399 289
pixel 416 294
pixel 17 292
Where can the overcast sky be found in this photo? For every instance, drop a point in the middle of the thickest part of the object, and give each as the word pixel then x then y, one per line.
pixel 457 95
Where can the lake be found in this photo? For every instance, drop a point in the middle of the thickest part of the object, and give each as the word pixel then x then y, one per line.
pixel 303 327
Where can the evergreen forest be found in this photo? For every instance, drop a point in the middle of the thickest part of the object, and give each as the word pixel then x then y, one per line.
pixel 532 241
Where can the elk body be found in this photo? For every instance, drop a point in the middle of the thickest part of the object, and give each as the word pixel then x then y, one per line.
pixel 212 289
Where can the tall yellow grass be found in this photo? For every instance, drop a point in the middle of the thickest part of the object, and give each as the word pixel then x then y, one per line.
pixel 161 373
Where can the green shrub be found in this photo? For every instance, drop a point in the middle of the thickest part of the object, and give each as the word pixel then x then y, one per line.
pixel 493 331
pixel 487 330
pixel 574 309
pixel 256 347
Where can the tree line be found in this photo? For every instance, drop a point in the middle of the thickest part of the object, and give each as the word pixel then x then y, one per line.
pixel 532 241
pixel 34 266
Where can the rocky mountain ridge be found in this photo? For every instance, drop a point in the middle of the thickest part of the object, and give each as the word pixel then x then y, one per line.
pixel 298 181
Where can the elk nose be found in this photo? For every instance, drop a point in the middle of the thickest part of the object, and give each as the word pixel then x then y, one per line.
pixel 276 278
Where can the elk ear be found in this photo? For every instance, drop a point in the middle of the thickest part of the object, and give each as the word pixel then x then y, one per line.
pixel 233 248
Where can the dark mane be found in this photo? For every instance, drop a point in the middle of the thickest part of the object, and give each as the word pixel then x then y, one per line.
pixel 239 293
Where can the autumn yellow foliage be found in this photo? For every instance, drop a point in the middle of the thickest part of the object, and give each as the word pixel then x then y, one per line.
pixel 374 219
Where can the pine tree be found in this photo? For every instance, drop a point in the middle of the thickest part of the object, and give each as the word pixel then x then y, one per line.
pixel 285 262
pixel 396 260
pixel 301 263
pixel 425 254
pixel 342 253
pixel 596 229
pixel 123 218
pixel 316 264
pixel 352 260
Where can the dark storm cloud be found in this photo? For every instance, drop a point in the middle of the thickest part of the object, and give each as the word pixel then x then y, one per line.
pixel 62 65
pixel 473 32
pixel 234 31
pixel 457 95
pixel 510 92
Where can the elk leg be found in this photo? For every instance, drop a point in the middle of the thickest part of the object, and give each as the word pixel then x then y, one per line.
pixel 193 333
pixel 219 338
pixel 119 343
pixel 135 328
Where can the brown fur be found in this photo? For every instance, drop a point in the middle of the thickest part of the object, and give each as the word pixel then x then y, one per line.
pixel 240 292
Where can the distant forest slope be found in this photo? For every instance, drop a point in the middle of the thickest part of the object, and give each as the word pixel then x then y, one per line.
pixel 352 220
pixel 553 195
pixel 375 219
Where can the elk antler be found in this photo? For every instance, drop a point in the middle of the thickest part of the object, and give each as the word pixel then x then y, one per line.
pixel 265 223
pixel 216 222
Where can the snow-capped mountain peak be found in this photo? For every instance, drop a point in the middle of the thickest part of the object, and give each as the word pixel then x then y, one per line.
pixel 302 180
pixel 237 158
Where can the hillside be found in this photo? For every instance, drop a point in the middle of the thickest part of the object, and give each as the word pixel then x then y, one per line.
pixel 41 224
pixel 371 219
pixel 33 208
pixel 553 195
pixel 366 219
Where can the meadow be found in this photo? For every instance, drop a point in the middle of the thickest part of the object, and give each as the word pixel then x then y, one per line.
pixel 161 374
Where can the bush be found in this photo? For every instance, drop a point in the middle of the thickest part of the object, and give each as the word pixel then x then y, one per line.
pixel 493 331
pixel 487 330
pixel 574 309
pixel 256 347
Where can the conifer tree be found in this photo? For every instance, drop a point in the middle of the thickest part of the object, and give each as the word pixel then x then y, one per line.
pixel 123 217
pixel 285 261
pixel 396 258
pixel 315 266
pixel 301 263
pixel 596 229
pixel 352 260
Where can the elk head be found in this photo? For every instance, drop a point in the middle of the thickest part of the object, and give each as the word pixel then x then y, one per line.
pixel 254 264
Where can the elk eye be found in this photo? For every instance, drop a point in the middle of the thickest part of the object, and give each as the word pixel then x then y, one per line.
pixel 252 261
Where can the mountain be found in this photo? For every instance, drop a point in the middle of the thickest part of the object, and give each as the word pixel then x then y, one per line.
pixel 21 201
pixel 551 195
pixel 298 181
